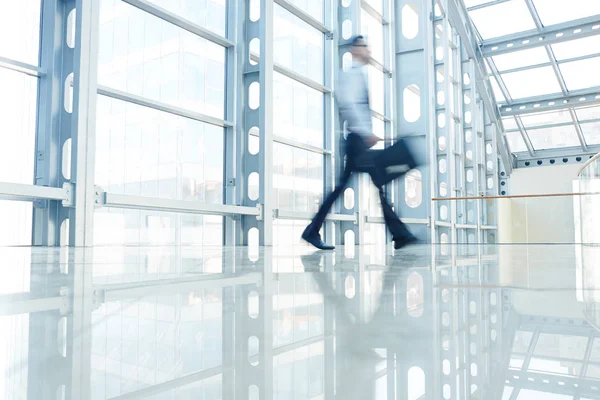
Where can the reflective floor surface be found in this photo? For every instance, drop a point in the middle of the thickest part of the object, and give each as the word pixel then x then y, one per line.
pixel 426 322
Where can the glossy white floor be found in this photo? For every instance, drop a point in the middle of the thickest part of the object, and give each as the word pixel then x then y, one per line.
pixel 429 322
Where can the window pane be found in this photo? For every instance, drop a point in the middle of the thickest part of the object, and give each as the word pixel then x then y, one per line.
pixel 581 74
pixel 376 4
pixel 376 89
pixel 557 11
pixel 523 58
pixel 515 142
pixel 141 151
pixel 497 91
pixel 18 100
pixel 532 82
pixel 502 19
pixel 548 138
pixel 373 32
pixel 312 7
pixel 297 178
pixel 576 48
pixel 16 220
pixel 591 132
pixel 20 30
pixel 558 345
pixel 297 45
pixel 298 111
pixel 584 114
pixel 146 56
pixel 509 124
pixel 209 14
pixel 541 119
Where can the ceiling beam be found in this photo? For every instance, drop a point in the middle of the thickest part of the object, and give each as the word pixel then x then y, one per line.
pixel 553 102
pixel 571 30
pixel 545 158
pixel 460 20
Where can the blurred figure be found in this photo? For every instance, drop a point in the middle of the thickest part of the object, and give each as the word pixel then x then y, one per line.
pixel 352 93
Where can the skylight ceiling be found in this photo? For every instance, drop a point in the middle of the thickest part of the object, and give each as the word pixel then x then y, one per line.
pixel 562 78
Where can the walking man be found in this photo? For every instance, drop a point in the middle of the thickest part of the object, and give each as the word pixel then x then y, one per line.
pixel 352 94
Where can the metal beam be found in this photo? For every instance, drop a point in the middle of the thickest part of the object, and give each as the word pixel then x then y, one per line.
pixel 177 20
pixel 303 15
pixel 575 99
pixel 301 215
pixel 160 106
pixel 169 205
pixel 19 66
pixel 27 303
pixel 19 191
pixel 464 27
pixel 543 158
pixel 572 30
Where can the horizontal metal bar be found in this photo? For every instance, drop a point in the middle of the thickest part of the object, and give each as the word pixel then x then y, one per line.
pixel 302 215
pixel 408 221
pixel 177 20
pixel 491 3
pixel 379 66
pixel 517 196
pixel 123 291
pixel 19 66
pixel 169 205
pixel 572 30
pixel 293 143
pixel 27 303
pixel 160 106
pixel 444 224
pixel 294 75
pixel 172 384
pixel 549 63
pixel 571 154
pixel 489 227
pixel 19 191
pixel 373 12
pixel 575 99
pixel 379 116
pixel 303 15
pixel 465 226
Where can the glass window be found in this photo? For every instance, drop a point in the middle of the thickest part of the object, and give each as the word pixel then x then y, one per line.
pixel 497 91
pixel 376 90
pixel 490 24
pixel 528 394
pixel 531 82
pixel 16 218
pixel 556 11
pixel 146 56
pixel 548 138
pixel 547 118
pixel 376 4
pixel 298 111
pixel 20 30
pixel 560 345
pixel 522 58
pixel 515 142
pixel 581 74
pixel 591 132
pixel 473 3
pixel 145 152
pixel 509 124
pixel 577 48
pixel 314 8
pixel 297 45
pixel 584 114
pixel 297 178
pixel 373 32
pixel 209 14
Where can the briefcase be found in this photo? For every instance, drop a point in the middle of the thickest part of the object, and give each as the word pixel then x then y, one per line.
pixel 388 164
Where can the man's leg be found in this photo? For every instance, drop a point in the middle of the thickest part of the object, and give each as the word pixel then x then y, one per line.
pixel 400 234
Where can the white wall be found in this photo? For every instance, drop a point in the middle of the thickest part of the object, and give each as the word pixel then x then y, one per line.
pixel 539 220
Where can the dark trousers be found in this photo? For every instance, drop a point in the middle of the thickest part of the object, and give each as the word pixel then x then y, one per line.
pixel 355 149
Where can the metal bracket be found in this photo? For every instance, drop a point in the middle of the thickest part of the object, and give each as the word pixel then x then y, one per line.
pixel 231 182
pixel 259 217
pixel 100 196
pixel 329 36
pixel 70 189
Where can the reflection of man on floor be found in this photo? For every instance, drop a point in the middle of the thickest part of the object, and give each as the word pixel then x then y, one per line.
pixel 352 93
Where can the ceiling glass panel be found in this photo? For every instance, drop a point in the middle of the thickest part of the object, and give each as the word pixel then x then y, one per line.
pixel 516 144
pixel 581 74
pixel 560 345
pixel 531 82
pixel 585 114
pixel 556 137
pixel 557 11
pixel 577 48
pixel 473 3
pixel 591 132
pixel 497 92
pixel 502 19
pixel 528 394
pixel 523 58
pixel 509 124
pixel 541 119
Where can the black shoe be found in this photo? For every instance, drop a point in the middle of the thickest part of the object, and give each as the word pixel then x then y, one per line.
pixel 404 241
pixel 315 240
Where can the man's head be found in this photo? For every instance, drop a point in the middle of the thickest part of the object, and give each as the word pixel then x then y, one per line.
pixel 360 50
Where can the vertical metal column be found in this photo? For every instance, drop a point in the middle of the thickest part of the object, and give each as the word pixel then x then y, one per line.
pixel 83 124
pixel 53 120
pixel 233 112
pixel 348 13
pixel 413 72
pixel 492 161
pixel 472 141
pixel 258 113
